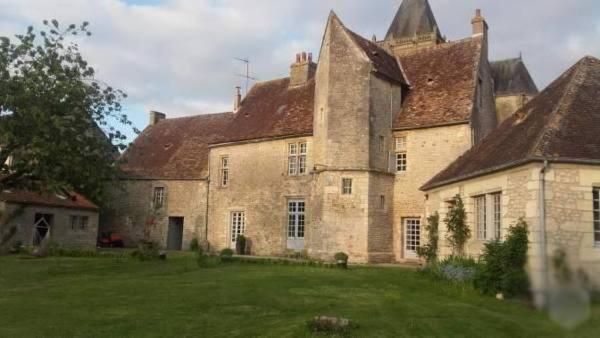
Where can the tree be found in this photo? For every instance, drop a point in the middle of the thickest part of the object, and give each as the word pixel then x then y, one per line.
pixel 430 251
pixel 458 231
pixel 55 115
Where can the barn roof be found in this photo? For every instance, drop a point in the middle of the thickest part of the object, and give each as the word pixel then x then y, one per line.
pixel 560 125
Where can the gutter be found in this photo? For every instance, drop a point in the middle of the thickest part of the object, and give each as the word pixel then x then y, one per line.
pixel 543 243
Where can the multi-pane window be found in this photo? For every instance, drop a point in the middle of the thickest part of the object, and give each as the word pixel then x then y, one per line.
pixel 347 186
pixel 297 158
pixel 238 225
pixel 79 222
pixel 488 216
pixel 159 197
pixel 296 219
pixel 413 234
pixel 597 216
pixel 401 158
pixel 224 171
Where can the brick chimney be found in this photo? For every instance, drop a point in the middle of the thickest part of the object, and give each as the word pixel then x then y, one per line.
pixel 237 99
pixel 480 26
pixel 302 70
pixel 156 117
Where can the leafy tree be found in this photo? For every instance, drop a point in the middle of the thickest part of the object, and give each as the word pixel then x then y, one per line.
pixel 55 115
pixel 458 231
pixel 430 251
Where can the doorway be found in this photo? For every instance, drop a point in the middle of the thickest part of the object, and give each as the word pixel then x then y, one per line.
pixel 412 237
pixel 41 228
pixel 295 227
pixel 175 234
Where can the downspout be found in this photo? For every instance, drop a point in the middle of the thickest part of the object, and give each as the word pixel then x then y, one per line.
pixel 543 245
pixel 207 208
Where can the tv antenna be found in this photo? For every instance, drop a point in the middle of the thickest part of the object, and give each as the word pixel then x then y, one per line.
pixel 246 76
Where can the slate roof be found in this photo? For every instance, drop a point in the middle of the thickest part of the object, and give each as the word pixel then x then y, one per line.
pixel 413 17
pixel 511 77
pixel 67 200
pixel 174 148
pixel 561 124
pixel 443 83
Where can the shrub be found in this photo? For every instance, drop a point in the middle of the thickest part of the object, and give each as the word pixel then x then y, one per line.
pixel 502 268
pixel 226 255
pixel 341 256
pixel 147 251
pixel 458 231
pixel 240 245
pixel 458 269
pixel 194 245
pixel 429 252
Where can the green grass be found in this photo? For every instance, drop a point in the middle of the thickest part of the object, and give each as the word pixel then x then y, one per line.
pixel 122 297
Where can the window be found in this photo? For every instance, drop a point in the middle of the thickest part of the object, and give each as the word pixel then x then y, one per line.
pixel 159 197
pixel 238 225
pixel 346 186
pixel 297 158
pixel 597 216
pixel 382 202
pixel 401 159
pixel 79 222
pixel 224 171
pixel 488 216
pixel 296 219
pixel 381 144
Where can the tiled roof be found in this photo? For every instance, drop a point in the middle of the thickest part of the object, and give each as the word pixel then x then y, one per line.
pixel 413 17
pixel 66 200
pixel 273 109
pixel 175 148
pixel 385 64
pixel 511 77
pixel 443 83
pixel 561 124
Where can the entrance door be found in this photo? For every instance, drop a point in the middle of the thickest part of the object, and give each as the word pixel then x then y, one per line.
pixel 412 237
pixel 41 228
pixel 175 234
pixel 237 224
pixel 295 227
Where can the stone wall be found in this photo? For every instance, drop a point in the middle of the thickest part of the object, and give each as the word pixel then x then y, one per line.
pixel 508 105
pixel 428 152
pixel 133 215
pixel 61 232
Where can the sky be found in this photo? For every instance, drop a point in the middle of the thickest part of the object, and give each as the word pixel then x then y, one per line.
pixel 178 56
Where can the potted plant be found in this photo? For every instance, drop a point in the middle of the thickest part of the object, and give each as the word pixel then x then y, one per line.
pixel 341 260
pixel 240 245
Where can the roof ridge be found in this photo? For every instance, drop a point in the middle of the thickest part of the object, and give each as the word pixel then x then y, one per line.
pixel 444 45
pixel 563 102
pixel 198 115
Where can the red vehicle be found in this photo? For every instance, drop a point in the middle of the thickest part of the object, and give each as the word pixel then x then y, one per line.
pixel 110 240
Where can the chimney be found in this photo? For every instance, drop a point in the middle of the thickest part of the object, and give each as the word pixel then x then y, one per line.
pixel 480 26
pixel 302 70
pixel 156 117
pixel 237 99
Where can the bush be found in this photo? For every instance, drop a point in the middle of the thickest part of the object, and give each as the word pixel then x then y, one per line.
pixel 147 251
pixel 458 269
pixel 226 255
pixel 240 245
pixel 194 245
pixel 341 256
pixel 502 268
pixel 429 251
pixel 458 231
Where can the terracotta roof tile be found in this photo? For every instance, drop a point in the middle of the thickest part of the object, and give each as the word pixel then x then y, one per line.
pixel 443 82
pixel 175 148
pixel 67 200
pixel 560 124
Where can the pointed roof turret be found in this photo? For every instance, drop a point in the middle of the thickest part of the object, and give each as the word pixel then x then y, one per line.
pixel 414 17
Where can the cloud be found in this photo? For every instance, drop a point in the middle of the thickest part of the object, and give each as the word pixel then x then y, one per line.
pixel 178 56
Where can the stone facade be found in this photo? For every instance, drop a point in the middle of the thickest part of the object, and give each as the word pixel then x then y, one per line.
pixel 506 105
pixel 568 208
pixel 61 230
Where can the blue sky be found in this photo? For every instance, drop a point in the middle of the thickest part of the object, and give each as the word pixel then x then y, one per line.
pixel 177 56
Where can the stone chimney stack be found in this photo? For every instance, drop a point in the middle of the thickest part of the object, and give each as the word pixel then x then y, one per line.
pixel 156 117
pixel 302 70
pixel 480 26
pixel 237 99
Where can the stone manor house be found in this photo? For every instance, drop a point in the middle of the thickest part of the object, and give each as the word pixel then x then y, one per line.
pixel 334 157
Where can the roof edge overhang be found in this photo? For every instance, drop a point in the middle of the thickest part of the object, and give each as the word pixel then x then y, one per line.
pixel 50 205
pixel 205 178
pixel 431 126
pixel 258 140
pixel 511 165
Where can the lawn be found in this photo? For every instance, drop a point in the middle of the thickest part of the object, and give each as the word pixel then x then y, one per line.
pixel 124 297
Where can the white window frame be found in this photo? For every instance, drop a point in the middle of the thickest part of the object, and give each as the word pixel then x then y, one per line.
pixel 347 186
pixel 158 197
pixel 297 153
pixel 296 225
pixel 487 210
pixel 401 154
pixel 596 215
pixel 237 225
pixel 412 235
pixel 224 172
